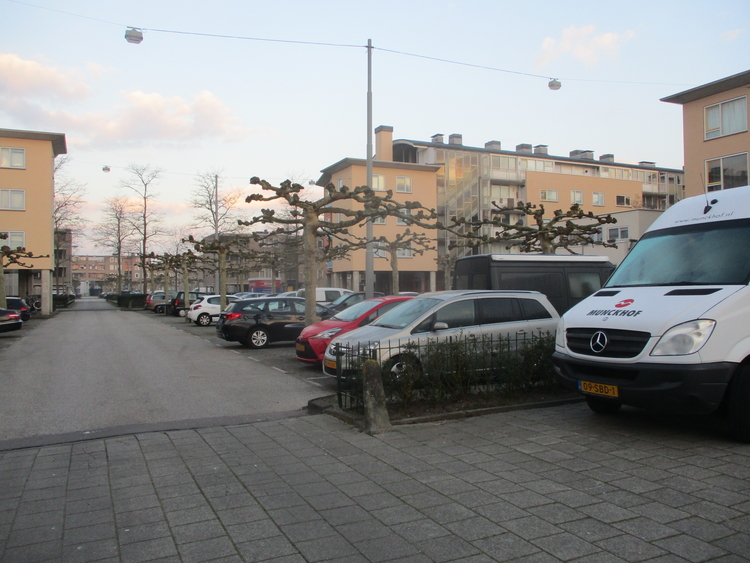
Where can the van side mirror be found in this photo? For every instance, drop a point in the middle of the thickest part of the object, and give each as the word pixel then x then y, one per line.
pixel 439 326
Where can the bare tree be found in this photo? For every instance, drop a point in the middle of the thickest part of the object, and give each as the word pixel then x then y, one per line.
pixel 66 211
pixel 13 256
pixel 335 202
pixel 144 221
pixel 545 235
pixel 115 231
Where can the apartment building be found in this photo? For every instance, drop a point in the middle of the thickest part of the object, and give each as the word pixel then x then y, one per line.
pixel 93 274
pixel 715 134
pixel 408 181
pixel 27 160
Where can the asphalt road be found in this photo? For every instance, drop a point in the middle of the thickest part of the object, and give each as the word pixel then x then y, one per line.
pixel 94 367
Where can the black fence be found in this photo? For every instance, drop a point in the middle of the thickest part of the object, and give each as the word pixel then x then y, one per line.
pixel 438 372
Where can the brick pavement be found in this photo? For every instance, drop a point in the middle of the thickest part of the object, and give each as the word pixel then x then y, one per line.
pixel 554 484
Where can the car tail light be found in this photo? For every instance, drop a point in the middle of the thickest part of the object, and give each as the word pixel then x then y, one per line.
pixel 14 316
pixel 196 307
pixel 231 316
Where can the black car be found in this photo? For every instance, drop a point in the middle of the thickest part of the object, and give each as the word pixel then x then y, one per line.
pixel 177 303
pixel 257 322
pixel 10 320
pixel 18 304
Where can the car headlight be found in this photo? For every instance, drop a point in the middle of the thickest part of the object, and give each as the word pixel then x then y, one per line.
pixel 683 339
pixel 330 333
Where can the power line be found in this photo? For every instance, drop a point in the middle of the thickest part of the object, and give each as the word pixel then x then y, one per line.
pixel 346 45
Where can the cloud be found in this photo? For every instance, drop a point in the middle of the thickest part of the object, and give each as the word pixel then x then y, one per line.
pixel 39 97
pixel 19 77
pixel 583 44
pixel 729 36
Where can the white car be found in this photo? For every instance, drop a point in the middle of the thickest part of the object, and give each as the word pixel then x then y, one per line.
pixel 207 309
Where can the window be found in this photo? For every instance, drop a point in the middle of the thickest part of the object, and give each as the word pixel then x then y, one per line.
pixel 379 251
pixel 457 314
pixel 727 172
pixel 16 239
pixel 378 182
pixel 598 199
pixel 623 201
pixel 401 221
pixel 549 195
pixel 498 310
pixel 583 284
pixel 404 252
pixel 12 157
pixel 15 200
pixel 617 233
pixel 726 118
pixel 403 184
pixel 576 197
pixel 378 220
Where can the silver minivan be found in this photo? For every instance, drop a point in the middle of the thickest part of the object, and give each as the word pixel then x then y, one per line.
pixel 516 315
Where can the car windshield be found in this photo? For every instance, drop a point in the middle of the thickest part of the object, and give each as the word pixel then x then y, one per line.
pixel 407 313
pixel 704 254
pixel 355 311
pixel 340 299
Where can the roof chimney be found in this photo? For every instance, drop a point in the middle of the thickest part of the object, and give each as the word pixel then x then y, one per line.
pixel 525 147
pixel 607 158
pixel 384 143
pixel 456 139
pixel 541 149
pixel 437 138
pixel 493 145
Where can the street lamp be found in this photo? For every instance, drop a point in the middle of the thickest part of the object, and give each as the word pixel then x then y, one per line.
pixel 134 35
pixel 369 249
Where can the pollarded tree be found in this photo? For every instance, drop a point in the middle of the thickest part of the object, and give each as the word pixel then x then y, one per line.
pixel 115 231
pixel 351 206
pixel 13 256
pixel 66 212
pixel 562 230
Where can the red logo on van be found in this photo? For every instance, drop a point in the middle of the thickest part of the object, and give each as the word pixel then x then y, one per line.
pixel 624 303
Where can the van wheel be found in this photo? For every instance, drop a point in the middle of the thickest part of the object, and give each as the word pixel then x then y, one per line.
pixel 602 406
pixel 739 404
pixel 404 371
pixel 258 338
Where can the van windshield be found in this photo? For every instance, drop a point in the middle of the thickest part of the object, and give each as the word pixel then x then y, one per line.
pixel 406 313
pixel 707 254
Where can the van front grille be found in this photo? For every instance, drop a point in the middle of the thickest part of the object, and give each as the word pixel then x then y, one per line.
pixel 606 343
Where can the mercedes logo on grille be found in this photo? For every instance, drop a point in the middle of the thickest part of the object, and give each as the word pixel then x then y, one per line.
pixel 598 342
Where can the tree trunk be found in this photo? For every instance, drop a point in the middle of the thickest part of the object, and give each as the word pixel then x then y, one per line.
pixel 311 282
pixel 223 277
pixel 395 282
pixel 3 302
pixel 185 285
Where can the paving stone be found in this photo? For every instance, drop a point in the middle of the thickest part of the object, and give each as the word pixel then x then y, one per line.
pixel 691 548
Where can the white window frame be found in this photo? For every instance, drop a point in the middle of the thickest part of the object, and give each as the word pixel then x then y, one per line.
pixel 7 198
pixel 403 222
pixel 378 220
pixel 379 251
pixel 405 252
pixel 626 201
pixel 720 128
pixel 597 197
pixel 403 184
pixel 549 195
pixel 17 235
pixel 378 183
pixel 7 157
pixel 623 233
pixel 576 197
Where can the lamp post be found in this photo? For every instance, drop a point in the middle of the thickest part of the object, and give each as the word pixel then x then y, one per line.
pixel 369 249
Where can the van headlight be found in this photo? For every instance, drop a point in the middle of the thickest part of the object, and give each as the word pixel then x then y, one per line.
pixel 683 339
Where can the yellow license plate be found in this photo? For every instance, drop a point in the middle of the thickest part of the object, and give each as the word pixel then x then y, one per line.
pixel 301 347
pixel 330 364
pixel 599 389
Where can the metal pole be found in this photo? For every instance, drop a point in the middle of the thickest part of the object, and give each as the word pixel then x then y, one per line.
pixel 370 250
pixel 217 289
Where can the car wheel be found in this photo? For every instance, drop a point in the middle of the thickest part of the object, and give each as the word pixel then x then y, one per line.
pixel 204 319
pixel 258 338
pixel 739 404
pixel 602 406
pixel 158 310
pixel 402 371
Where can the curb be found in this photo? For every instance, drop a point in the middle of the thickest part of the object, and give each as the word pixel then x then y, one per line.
pixel 327 405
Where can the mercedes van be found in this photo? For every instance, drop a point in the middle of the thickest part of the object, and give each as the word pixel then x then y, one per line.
pixel 669 330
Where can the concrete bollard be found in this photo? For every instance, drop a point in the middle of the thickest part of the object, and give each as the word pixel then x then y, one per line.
pixel 376 413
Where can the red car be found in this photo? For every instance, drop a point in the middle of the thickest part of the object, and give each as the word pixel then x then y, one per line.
pixel 313 340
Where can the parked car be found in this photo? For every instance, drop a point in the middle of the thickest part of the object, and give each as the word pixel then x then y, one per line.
pixel 18 304
pixel 155 301
pixel 314 339
pixel 207 309
pixel 441 315
pixel 349 299
pixel 10 320
pixel 258 322
pixel 250 294
pixel 177 303
pixel 325 295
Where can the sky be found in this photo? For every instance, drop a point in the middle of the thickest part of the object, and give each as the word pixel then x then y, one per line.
pixel 278 89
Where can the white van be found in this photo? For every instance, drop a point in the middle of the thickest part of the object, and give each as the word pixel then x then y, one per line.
pixel 325 295
pixel 669 330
